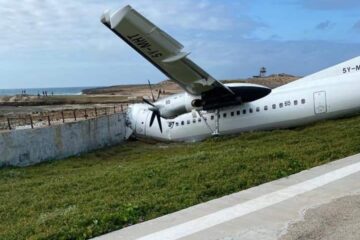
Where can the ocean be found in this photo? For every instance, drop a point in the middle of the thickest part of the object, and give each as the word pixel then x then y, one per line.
pixel 35 91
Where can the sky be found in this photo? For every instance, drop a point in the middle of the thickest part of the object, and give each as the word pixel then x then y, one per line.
pixel 61 43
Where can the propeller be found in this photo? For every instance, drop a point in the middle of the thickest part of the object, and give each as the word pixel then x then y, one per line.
pixel 155 109
pixel 158 96
pixel 152 95
pixel 155 113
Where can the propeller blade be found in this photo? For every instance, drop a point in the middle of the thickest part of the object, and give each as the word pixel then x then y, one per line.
pixel 152 118
pixel 148 102
pixel 152 95
pixel 159 93
pixel 159 121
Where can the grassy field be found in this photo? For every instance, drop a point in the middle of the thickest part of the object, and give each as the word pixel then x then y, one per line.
pixel 99 192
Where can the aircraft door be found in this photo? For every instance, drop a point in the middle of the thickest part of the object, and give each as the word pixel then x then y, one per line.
pixel 320 102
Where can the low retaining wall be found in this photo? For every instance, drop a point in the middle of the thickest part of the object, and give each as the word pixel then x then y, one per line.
pixel 31 146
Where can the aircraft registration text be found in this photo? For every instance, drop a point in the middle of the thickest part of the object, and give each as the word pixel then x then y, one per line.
pixel 144 45
pixel 351 69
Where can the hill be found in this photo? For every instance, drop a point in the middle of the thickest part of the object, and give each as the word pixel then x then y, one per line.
pixel 171 87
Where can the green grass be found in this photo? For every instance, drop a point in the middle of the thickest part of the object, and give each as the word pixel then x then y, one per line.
pixel 99 192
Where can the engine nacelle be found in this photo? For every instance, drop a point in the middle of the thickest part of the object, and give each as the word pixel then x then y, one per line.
pixel 175 105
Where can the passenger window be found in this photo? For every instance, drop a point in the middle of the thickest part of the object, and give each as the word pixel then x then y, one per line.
pixel 188 121
pixel 194 120
pixel 303 101
pixel 177 124
pixel 212 117
pixel 295 102
pixel 274 106
pixel 287 103
pixel 250 110
pixel 281 105
pixel 265 108
pixel 224 115
pixel 258 109
pixel 244 111
pixel 182 122
pixel 199 120
pixel 238 112
pixel 232 114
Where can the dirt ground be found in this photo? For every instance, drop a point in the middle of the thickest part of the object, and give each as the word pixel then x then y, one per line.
pixel 110 96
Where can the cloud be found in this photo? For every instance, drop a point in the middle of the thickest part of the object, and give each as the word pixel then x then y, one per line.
pixel 329 4
pixel 246 56
pixel 356 26
pixel 50 24
pixel 63 43
pixel 325 25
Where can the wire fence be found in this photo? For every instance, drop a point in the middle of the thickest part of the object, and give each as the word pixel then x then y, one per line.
pixel 45 119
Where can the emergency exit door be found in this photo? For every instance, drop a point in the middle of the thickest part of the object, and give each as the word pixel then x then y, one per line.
pixel 320 102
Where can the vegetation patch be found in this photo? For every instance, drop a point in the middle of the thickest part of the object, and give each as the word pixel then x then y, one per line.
pixel 86 196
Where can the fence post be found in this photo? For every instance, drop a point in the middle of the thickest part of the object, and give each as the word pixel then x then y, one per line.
pixel 74 112
pixel 9 123
pixel 95 112
pixel 86 116
pixel 48 118
pixel 31 122
pixel 62 116
pixel 122 110
pixel 114 109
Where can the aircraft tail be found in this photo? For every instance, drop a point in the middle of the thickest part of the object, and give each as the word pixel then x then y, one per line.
pixel 348 67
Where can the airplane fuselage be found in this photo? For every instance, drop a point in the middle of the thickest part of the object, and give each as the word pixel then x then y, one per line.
pixel 286 106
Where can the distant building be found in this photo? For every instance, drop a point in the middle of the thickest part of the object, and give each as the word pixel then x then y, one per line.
pixel 262 73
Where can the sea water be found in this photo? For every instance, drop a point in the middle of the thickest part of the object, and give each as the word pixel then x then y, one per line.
pixel 50 91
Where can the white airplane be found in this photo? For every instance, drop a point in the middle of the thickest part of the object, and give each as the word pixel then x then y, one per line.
pixel 208 107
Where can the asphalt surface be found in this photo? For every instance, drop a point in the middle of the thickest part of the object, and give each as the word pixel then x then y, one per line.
pixel 339 219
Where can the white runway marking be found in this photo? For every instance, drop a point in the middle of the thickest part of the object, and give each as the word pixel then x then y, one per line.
pixel 227 214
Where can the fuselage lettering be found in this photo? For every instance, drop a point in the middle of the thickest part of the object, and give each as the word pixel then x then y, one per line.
pixel 351 69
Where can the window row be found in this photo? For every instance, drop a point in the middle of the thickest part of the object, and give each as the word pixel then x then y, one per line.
pixel 243 112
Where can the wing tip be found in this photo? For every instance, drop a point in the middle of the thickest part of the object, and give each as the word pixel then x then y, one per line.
pixel 112 19
pixel 119 15
pixel 105 17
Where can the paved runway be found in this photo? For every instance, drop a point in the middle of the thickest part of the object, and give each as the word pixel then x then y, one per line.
pixel 320 203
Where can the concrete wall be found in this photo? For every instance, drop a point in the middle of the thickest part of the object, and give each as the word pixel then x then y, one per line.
pixel 31 146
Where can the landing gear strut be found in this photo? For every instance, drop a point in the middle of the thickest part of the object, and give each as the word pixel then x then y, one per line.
pixel 216 131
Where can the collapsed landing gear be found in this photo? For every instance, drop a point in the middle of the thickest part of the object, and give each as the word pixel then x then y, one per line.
pixel 216 130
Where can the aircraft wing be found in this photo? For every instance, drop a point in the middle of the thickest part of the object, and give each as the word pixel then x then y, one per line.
pixel 164 52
